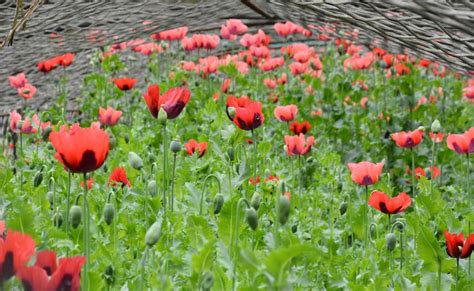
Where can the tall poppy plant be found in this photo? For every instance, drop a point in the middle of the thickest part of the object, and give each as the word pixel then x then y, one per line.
pixel 365 174
pixel 81 150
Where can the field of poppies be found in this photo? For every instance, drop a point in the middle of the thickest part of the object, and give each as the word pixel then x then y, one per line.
pixel 230 163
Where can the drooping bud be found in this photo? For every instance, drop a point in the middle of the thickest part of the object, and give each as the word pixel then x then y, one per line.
pixel 343 208
pixel 251 217
pixel 436 126
pixel 135 161
pixel 75 215
pixel 153 234
pixel 391 241
pixel 175 146
pixel 108 213
pixel 218 203
pixel 230 153
pixel 38 179
pixel 57 219
pixel 256 200
pixel 162 116
pixel 152 188
pixel 283 210
pixel 207 281
pixel 46 133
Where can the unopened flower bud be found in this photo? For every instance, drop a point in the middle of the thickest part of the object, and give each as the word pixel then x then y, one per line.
pixel 436 126
pixel 343 208
pixel 283 210
pixel 231 111
pixel 153 234
pixel 57 219
pixel 135 161
pixel 38 179
pixel 162 116
pixel 218 203
pixel 391 241
pixel 75 215
pixel 175 146
pixel 251 217
pixel 46 133
pixel 152 188
pixel 256 201
pixel 108 213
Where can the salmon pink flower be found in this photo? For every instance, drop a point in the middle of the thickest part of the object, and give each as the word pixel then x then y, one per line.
pixel 15 117
pixel 250 116
pixel 192 146
pixel 109 116
pixel 236 26
pixel 119 176
pixel 298 68
pixel 437 138
pixel 171 34
pixel 408 139
pixel 298 128
pixel 462 143
pixel 269 83
pixel 125 83
pixel 383 203
pixel 456 247
pixel 286 113
pixel 365 173
pixel 27 91
pixel 80 150
pixel 18 81
pixel 173 101
pixel 297 145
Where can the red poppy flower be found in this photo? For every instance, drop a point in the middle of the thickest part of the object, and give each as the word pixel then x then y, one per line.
pixel 47 261
pixel 89 181
pixel 286 113
pixel 66 59
pixel 173 101
pixel 437 138
pixel 249 117
pixel 125 83
pixel 15 251
pixel 33 278
pixel 297 145
pixel 192 146
pixel 365 173
pixel 433 171
pixel 235 102
pixel 47 65
pixel 456 247
pixel 408 139
pixel 67 276
pixel 109 116
pixel 252 180
pixel 462 143
pixel 297 127
pixel 119 176
pixel 383 203
pixel 80 150
pixel 401 69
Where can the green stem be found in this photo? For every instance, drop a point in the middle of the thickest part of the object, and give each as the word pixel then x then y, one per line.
pixel 433 163
pixel 470 201
pixel 85 211
pixel 236 244
pixel 457 273
pixel 254 142
pixel 366 219
pixel 142 265
pixel 68 205
pixel 413 173
pixel 165 157
pixel 172 183
pixel 205 187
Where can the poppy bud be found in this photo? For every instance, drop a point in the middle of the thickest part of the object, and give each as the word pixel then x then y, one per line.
pixel 46 133
pixel 50 196
pixel 283 210
pixel 109 275
pixel 294 228
pixel 231 111
pixel 152 188
pixel 135 161
pixel 175 146
pixel 421 128
pixel 230 153
pixel 436 126
pixel 256 200
pixel 108 213
pixel 75 215
pixel 162 116
pixel 207 281
pixel 218 203
pixel 391 241
pixel 343 208
pixel 112 139
pixel 153 234
pixel 37 179
pixel 57 219
pixel 252 218
pixel 126 138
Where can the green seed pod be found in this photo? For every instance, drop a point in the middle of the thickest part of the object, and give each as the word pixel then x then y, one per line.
pixel 112 139
pixel 436 126
pixel 175 146
pixel 37 179
pixel 57 220
pixel 343 208
pixel 75 215
pixel 162 116
pixel 153 234
pixel 391 241
pixel 207 281
pixel 46 133
pixel 251 217
pixel 108 213
pixel 283 210
pixel 230 154
pixel 152 188
pixel 135 161
pixel 256 201
pixel 218 203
